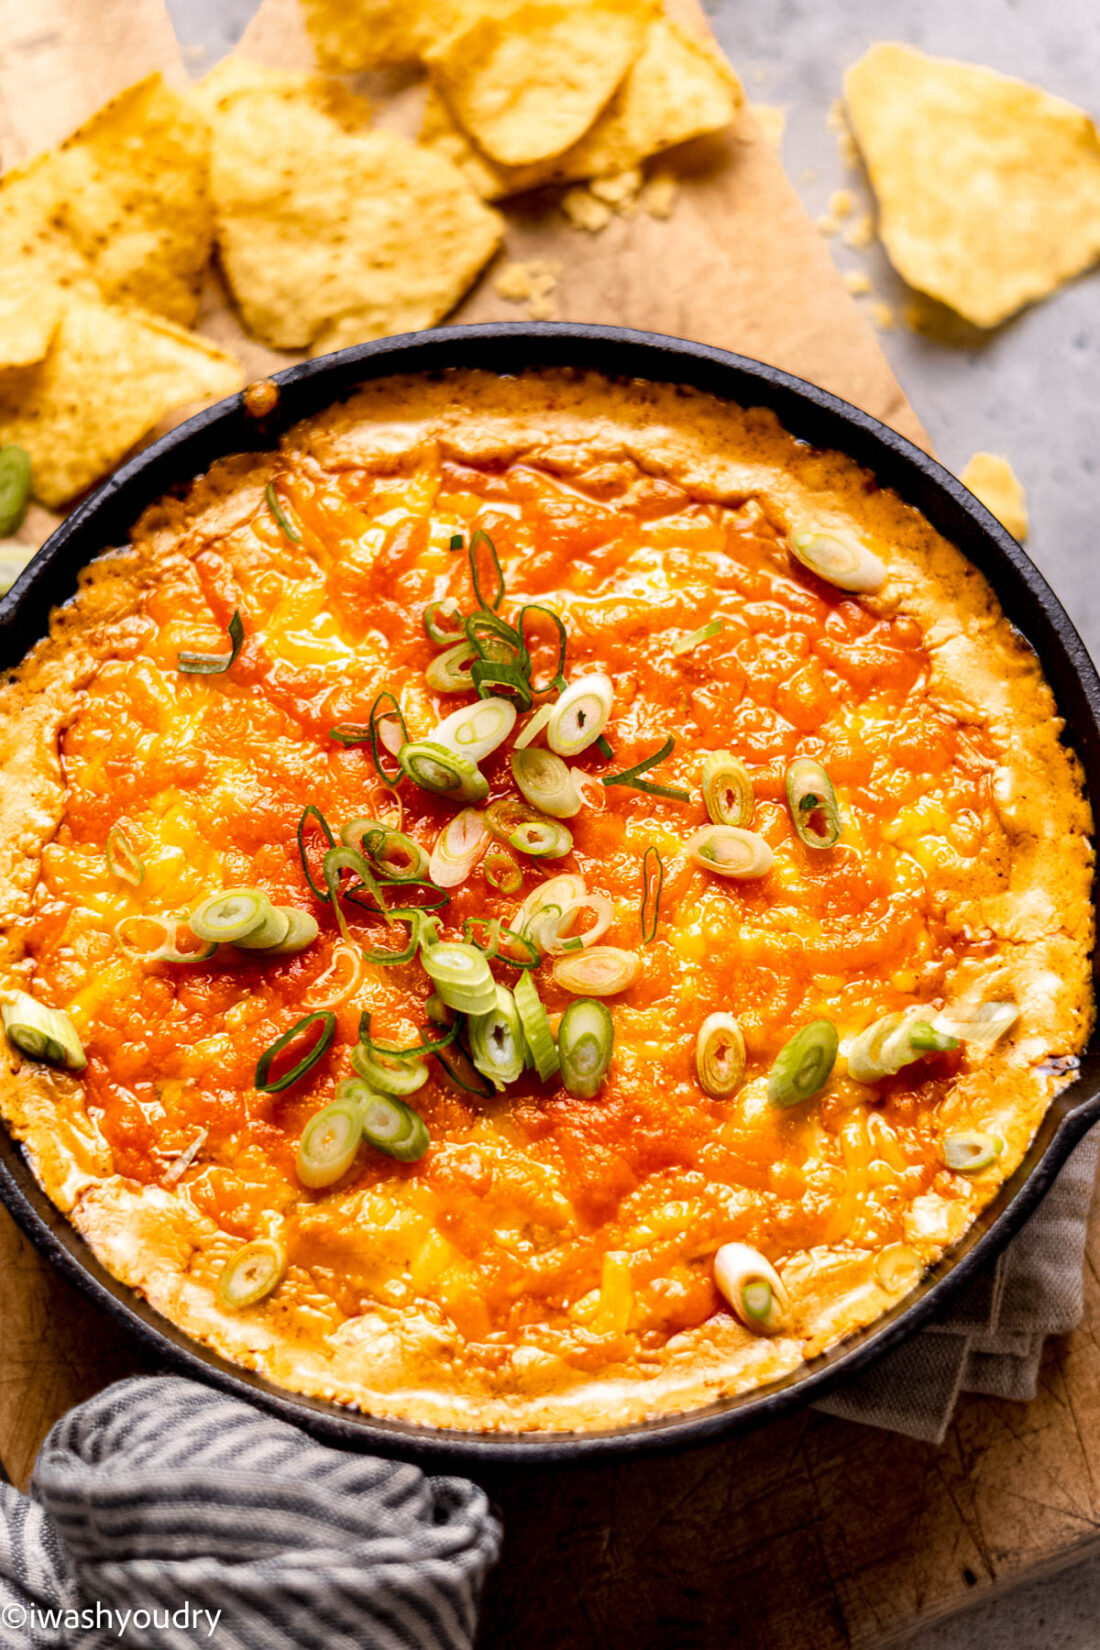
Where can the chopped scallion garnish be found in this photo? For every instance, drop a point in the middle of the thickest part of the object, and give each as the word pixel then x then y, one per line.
pixel 727 789
pixel 536 1027
pixel 632 776
pixel 122 861
pixel 580 715
pixel 653 880
pixel 43 1033
pixel 213 664
pixel 687 644
pixel 327 1022
pixel 286 526
pixel 253 1273
pixel 586 1038
pixel 479 540
pixel 329 1143
pixel 720 1056
pixel 804 1063
pixel 812 801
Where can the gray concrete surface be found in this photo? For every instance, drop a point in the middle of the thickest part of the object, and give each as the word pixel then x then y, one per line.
pixel 1030 390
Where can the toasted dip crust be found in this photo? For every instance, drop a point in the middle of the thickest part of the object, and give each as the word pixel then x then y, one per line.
pixel 549 1262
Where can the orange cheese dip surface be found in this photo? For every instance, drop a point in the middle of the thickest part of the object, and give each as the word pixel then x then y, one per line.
pixel 582 1228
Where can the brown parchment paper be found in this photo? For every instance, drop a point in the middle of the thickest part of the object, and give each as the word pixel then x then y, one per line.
pixel 739 264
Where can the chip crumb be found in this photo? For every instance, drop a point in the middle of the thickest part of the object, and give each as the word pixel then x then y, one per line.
pixel 857 282
pixel 884 315
pixel 584 211
pixel 847 148
pixel 772 121
pixel 658 197
pixel 861 233
pixel 531 283
pixel 840 203
pixel 992 479
pixel 826 225
pixel 620 189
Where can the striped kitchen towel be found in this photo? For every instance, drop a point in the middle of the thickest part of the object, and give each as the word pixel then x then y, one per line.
pixel 164 1515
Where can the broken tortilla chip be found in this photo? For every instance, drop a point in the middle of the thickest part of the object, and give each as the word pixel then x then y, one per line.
pixel 330 233
pixel 123 202
pixel 30 309
pixel 992 479
pixel 349 35
pixel 678 89
pixel 528 82
pixel 988 188
pixel 108 379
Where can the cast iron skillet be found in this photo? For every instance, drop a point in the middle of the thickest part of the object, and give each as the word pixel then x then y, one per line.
pixel 808 413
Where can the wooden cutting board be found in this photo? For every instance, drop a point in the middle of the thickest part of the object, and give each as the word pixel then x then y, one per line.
pixel 812 1531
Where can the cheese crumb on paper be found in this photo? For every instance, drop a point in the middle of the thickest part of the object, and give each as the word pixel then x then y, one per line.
pixel 857 282
pixel 531 283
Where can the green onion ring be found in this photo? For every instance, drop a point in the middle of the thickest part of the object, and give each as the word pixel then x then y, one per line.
pixel 546 782
pixel 122 861
pixel 43 1033
pixel 580 714
pixel 557 680
pixel 460 1071
pixel 329 1144
pixel 969 1151
pixel 436 632
pixel 393 1127
pixel 720 1056
pixel 213 664
pixel 496 1040
pixel 314 813
pixel 327 1021
pixel 501 870
pixel 687 644
pixel 536 1027
pixel 586 1039
pixel 631 776
pixel 449 672
pixel 653 880
pixel 497 681
pixel 477 539
pixel 253 1273
pixel 812 802
pixel 443 772
pixel 727 789
pixel 377 717
pixel 167 948
pixel 15 488
pixel 804 1064
pixel 542 838
pixel 285 525
pixel 230 915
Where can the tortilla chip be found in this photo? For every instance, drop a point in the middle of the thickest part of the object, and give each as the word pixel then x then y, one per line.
pixel 992 479
pixel 109 377
pixel 526 84
pixel 30 309
pixel 677 90
pixel 988 188
pixel 349 35
pixel 123 202
pixel 329 233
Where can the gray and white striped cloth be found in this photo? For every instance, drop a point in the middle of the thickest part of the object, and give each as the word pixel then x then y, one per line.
pixel 160 1500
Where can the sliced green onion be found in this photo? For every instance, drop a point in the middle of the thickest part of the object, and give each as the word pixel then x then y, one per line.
pixel 557 680
pixel 390 1125
pixel 506 814
pixel 389 1076
pixel 340 978
pixel 803 1065
pixel 730 851
pixel 342 858
pixel 751 1286
pixel 497 1047
pixel 602 971
pixel 329 1144
pixel 43 1033
pixel 586 1038
pixel 632 776
pixel 533 728
pixel 925 1037
pixel 392 853
pixel 443 772
pixel 495 639
pixel 379 716
pixel 553 929
pixel 687 644
pixel 546 782
pixel 450 672
pixel 841 559
pixel 322 1017
pixel 122 861
pixel 501 943
pixel 285 525
pixel 558 891
pixel 254 1272
pixel 461 975
pixel 541 838
pixel 460 1071
pixel 15 488
pixel 494 680
pixel 580 715
pixel 979 1026
pixel 155 939
pixel 501 870
pixel 438 1012
pixel 727 789
pixel 271 932
pixel 476 730
pixel 477 539
pixel 894 1041
pixel 301 931
pixel 969 1151
pixel 653 880
pixel 456 541
pixel 386 959
pixel 213 664
pixel 720 1056
pixel 812 801
pixel 231 915
pixel 458 847
pixel 438 632
pixel 415 1051
pixel 536 1028
pixel 314 813
pixel 350 733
